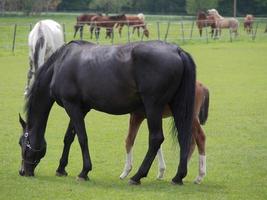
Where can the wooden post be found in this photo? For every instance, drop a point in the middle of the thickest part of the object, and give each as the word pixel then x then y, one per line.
pixel 167 31
pixel 158 30
pixel 14 38
pixel 230 33
pixel 255 32
pixel 64 32
pixel 206 30
pixel 182 27
pixel 192 27
pixel 128 35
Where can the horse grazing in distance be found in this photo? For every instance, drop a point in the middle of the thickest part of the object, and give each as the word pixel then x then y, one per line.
pixel 44 39
pixel 248 23
pixel 222 23
pixel 198 136
pixel 107 22
pixel 136 21
pixel 145 77
pixel 83 20
pixel 204 20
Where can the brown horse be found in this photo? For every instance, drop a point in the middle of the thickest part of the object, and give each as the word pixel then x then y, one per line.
pixel 198 136
pixel 248 23
pixel 83 20
pixel 204 20
pixel 221 22
pixel 136 21
pixel 107 22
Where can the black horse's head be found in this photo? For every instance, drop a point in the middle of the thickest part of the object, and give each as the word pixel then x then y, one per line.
pixel 30 156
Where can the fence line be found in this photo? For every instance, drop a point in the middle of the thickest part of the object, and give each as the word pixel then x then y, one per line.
pixel 170 31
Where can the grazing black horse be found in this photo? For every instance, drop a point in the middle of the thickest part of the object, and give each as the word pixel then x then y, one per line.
pixel 136 77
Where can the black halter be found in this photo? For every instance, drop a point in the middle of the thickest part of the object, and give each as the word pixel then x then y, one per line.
pixel 28 145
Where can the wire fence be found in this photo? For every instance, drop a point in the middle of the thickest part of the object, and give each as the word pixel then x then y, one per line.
pixel 15 36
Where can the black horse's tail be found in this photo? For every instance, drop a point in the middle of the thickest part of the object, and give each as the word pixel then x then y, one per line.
pixel 182 107
pixel 204 109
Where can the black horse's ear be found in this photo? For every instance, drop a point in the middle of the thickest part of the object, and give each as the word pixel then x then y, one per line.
pixel 22 122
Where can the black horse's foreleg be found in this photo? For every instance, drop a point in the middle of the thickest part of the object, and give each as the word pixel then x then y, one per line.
pixel 68 139
pixel 154 121
pixel 77 115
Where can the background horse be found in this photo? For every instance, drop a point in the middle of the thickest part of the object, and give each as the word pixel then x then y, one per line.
pixel 204 20
pixel 145 77
pixel 44 39
pixel 136 21
pixel 198 136
pixel 248 23
pixel 83 20
pixel 107 22
pixel 222 22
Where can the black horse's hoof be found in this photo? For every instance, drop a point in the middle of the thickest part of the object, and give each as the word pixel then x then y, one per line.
pixel 132 182
pixel 79 178
pixel 177 182
pixel 61 173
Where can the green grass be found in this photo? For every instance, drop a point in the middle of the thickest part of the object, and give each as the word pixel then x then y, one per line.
pixel 236 135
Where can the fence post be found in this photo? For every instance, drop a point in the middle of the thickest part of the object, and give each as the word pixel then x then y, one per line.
pixel 255 32
pixel 230 33
pixel 158 30
pixel 14 38
pixel 206 30
pixel 64 32
pixel 182 26
pixel 167 31
pixel 191 33
pixel 128 35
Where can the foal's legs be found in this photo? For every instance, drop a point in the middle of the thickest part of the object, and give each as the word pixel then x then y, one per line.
pixel 154 121
pixel 134 124
pixel 200 139
pixel 68 139
pixel 77 115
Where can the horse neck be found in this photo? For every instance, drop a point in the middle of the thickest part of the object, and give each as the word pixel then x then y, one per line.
pixel 40 103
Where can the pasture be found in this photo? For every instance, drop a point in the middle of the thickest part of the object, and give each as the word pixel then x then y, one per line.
pixel 236 142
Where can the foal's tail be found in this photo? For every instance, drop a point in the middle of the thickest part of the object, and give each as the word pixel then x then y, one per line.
pixel 204 109
pixel 182 107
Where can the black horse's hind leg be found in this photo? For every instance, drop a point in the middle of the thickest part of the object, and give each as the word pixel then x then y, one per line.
pixel 68 139
pixel 77 115
pixel 154 121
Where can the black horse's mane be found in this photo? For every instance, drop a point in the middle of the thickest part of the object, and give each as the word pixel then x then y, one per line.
pixel 30 97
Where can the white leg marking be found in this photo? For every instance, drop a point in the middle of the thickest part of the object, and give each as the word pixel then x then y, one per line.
pixel 202 169
pixel 162 165
pixel 128 165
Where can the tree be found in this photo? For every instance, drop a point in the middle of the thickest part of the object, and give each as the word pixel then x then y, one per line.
pixel 108 6
pixel 74 5
pixel 193 6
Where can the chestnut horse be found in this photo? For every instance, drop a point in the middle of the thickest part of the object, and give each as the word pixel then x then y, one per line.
pixel 248 23
pixel 204 20
pixel 136 21
pixel 222 22
pixel 198 136
pixel 107 22
pixel 83 20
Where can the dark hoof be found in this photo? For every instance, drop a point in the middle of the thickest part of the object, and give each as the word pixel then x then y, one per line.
pixel 132 182
pixel 60 174
pixel 177 183
pixel 78 178
pixel 21 172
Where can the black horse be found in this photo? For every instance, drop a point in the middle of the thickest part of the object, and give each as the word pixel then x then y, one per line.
pixel 136 77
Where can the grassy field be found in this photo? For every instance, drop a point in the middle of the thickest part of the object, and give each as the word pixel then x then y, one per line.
pixel 236 135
